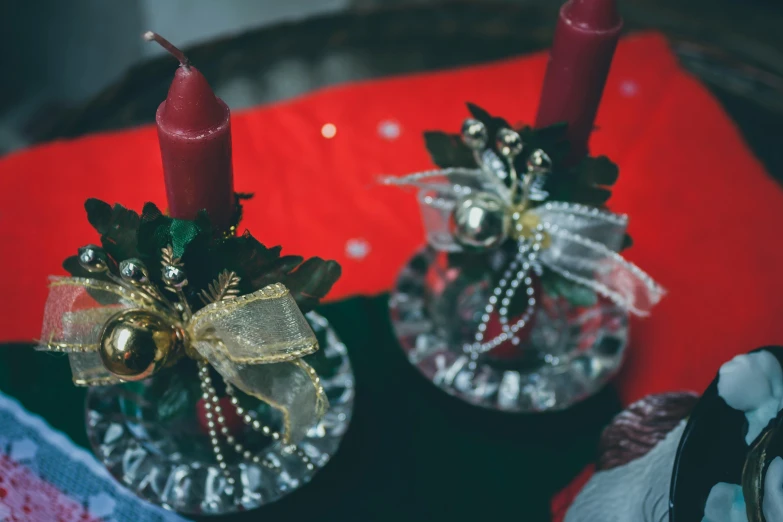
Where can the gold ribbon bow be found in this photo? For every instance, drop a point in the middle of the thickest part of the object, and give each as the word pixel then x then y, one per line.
pixel 255 342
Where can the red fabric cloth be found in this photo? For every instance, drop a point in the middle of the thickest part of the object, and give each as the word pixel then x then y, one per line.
pixel 704 215
pixel 25 497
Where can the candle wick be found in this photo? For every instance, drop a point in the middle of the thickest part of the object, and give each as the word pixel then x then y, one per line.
pixel 175 52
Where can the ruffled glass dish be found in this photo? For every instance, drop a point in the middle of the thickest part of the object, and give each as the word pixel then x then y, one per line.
pixel 568 354
pixel 149 436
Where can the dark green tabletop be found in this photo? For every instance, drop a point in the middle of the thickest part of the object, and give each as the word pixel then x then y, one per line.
pixel 413 453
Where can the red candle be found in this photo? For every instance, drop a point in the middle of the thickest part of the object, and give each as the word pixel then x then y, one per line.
pixel 585 39
pixel 194 132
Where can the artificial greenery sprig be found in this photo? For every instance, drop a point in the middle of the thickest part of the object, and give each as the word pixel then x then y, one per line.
pixel 242 261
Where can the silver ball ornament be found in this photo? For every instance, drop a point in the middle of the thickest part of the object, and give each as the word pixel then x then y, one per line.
pixel 508 143
pixel 539 162
pixel 134 271
pixel 480 221
pixel 174 276
pixel 474 134
pixel 92 258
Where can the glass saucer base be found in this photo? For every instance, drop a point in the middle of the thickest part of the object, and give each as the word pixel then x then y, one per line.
pixel 149 437
pixel 569 355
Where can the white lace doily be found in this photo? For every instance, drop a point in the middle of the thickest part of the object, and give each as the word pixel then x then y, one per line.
pixel 46 477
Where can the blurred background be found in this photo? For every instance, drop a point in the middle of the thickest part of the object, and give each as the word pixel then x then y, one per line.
pixel 80 66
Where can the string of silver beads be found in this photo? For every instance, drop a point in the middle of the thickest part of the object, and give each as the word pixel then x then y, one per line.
pixel 265 430
pixel 507 287
pixel 213 413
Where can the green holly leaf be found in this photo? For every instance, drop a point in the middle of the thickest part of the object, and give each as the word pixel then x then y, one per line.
pixel 99 214
pixel 205 254
pixel 587 182
pixel 120 230
pixel 596 171
pixel 258 266
pixel 492 123
pixel 551 139
pixel 74 267
pixel 447 150
pixel 182 233
pixel 311 281
pixel 153 231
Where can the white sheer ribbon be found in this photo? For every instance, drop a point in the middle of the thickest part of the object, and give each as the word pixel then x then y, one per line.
pixel 582 242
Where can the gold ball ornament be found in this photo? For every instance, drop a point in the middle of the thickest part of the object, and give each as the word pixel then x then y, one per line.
pixel 136 343
pixel 480 221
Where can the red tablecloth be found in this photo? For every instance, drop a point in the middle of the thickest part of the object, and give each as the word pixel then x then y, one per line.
pixel 705 216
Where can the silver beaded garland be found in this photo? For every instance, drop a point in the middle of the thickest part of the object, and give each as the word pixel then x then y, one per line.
pixel 524 261
pixel 212 409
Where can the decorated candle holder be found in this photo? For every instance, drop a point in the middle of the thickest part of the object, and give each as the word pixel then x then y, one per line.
pixel 213 387
pixel 520 301
pixel 677 457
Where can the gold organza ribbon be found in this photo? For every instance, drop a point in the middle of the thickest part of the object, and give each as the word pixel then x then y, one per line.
pixel 256 342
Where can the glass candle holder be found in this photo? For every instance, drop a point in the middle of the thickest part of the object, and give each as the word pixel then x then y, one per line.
pixel 152 436
pixel 566 353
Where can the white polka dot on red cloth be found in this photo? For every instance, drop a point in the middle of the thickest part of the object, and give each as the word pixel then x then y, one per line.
pixel 357 248
pixel 389 130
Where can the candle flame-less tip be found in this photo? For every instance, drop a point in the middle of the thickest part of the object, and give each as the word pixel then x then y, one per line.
pixel 152 36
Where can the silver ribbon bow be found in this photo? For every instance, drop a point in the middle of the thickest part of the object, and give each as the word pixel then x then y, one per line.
pixel 577 242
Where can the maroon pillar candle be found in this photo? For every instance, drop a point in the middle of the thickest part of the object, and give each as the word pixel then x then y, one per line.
pixel 585 39
pixel 194 132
